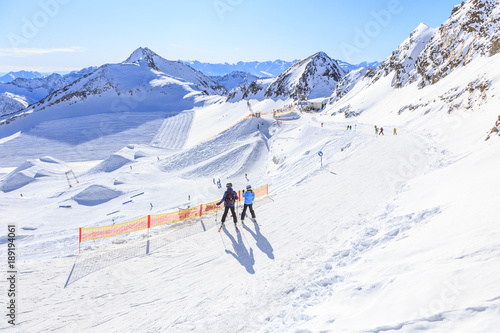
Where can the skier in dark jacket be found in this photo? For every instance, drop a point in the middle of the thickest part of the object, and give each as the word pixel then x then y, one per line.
pixel 229 199
pixel 249 198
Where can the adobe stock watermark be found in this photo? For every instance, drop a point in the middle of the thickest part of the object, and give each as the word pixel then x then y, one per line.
pixel 364 36
pixel 223 6
pixel 446 299
pixel 32 25
pixel 122 105
pixel 409 167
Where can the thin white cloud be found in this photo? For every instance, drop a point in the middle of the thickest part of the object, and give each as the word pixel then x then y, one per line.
pixel 40 69
pixel 27 52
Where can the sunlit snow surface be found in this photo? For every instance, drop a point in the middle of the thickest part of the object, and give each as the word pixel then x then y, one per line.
pixel 394 233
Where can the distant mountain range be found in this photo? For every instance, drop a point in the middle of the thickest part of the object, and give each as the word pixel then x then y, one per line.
pixel 260 69
pixel 9 77
pixel 21 92
pixel 234 79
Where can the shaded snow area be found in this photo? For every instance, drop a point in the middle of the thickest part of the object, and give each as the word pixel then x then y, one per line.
pixel 382 233
pixel 95 195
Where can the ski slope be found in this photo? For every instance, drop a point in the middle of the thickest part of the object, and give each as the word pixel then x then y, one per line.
pixel 392 234
pixel 174 131
pixel 85 138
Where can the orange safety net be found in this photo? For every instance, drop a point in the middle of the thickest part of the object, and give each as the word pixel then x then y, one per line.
pixel 260 191
pixel 114 230
pixel 150 221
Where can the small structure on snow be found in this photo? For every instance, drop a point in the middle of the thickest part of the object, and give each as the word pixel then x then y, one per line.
pixel 317 103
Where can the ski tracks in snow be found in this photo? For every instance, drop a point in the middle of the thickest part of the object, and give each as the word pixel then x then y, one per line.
pixel 174 131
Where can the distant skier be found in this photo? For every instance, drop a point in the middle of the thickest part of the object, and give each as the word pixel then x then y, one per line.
pixel 381 131
pixel 376 129
pixel 249 198
pixel 229 199
pixel 395 131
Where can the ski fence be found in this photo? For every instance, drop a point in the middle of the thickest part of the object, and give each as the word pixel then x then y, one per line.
pixel 151 221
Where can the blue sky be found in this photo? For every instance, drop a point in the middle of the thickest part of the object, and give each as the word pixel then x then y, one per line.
pixel 62 35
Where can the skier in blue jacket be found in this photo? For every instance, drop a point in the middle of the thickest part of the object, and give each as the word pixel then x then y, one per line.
pixel 229 199
pixel 249 198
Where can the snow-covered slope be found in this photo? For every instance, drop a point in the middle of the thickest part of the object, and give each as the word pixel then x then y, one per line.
pixel 315 76
pixel 10 103
pixel 144 82
pixel 33 90
pixel 473 30
pixel 403 60
pixel 347 67
pixel 382 233
pixel 428 55
pixel 75 75
pixel 348 82
pixel 383 237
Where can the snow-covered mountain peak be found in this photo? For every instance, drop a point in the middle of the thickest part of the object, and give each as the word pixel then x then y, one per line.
pixel 315 76
pixel 21 74
pixel 169 85
pixel 140 54
pixel 420 28
pixel 428 54
pixel 403 60
pixel 472 30
pixel 146 55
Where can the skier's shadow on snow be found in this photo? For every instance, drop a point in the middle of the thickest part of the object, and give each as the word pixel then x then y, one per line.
pixel 262 242
pixel 244 257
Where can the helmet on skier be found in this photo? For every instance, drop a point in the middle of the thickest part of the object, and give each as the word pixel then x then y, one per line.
pixel 249 187
pixel 228 185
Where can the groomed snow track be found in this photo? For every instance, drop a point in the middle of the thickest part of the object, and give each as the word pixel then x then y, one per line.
pixel 174 131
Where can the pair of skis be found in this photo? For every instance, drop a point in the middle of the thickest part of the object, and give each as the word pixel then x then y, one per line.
pixel 220 228
pixel 237 230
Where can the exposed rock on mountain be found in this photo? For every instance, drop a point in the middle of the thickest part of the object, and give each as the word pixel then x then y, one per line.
pixel 315 76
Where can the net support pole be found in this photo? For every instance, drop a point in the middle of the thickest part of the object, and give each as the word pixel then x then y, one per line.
pixel 80 240
pixel 149 223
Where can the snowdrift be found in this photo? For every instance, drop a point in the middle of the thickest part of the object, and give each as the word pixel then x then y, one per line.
pixel 112 163
pixel 34 169
pixel 95 195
